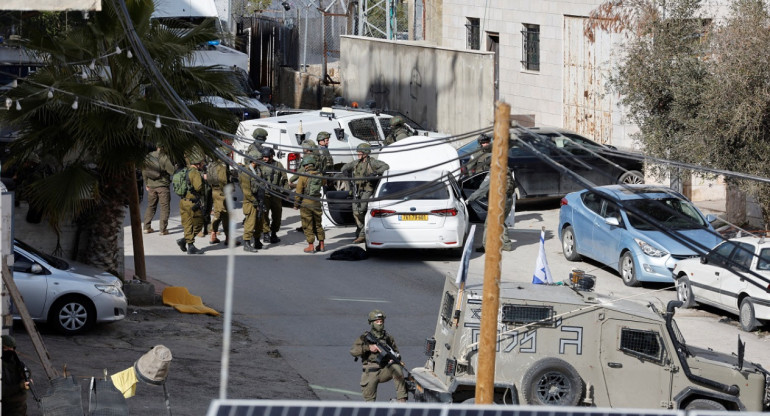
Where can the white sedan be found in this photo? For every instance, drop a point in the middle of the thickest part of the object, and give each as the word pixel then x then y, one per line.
pixel 734 276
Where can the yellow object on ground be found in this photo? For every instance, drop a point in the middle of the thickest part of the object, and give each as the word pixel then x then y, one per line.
pixel 181 299
pixel 125 382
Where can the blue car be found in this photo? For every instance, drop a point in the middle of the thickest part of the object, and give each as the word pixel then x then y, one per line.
pixel 639 230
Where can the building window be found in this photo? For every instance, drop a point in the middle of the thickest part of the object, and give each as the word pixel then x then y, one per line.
pixel 530 47
pixel 473 29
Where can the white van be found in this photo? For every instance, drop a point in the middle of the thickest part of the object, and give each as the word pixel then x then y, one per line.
pixel 348 128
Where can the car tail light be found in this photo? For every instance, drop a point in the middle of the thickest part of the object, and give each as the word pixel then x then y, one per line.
pixel 564 202
pixel 379 213
pixel 292 159
pixel 451 212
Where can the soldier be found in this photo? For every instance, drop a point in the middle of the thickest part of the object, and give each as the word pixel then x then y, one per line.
pixel 325 160
pixel 191 205
pixel 365 169
pixel 253 204
pixel 310 211
pixel 274 174
pixel 481 162
pixel 157 173
pixel 308 148
pixel 218 175
pixel 15 383
pixel 375 372
pixel 260 136
pixel 398 130
pixel 208 201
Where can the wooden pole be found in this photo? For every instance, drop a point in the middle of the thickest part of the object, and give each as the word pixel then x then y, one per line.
pixel 140 271
pixel 498 180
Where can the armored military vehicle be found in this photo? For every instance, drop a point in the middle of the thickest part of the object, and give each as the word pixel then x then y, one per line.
pixel 560 345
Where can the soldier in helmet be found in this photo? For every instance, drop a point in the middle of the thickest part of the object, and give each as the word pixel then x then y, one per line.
pixel 273 174
pixel 308 148
pixel 375 371
pixel 307 200
pixel 481 162
pixel 398 130
pixel 325 160
pixel 218 176
pixel 191 205
pixel 253 203
pixel 364 172
pixel 260 136
pixel 15 382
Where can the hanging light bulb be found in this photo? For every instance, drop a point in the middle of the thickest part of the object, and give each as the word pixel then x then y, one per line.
pixel 129 55
pixel 50 93
pixel 18 105
pixel 139 124
pixel 14 83
pixel 93 65
pixel 8 103
pixel 117 50
pixel 75 104
pixel 157 122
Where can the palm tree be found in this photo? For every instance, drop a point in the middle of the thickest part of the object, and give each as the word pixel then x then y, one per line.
pixel 81 110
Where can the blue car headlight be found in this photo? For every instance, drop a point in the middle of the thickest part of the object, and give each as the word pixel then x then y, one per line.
pixel 110 289
pixel 649 249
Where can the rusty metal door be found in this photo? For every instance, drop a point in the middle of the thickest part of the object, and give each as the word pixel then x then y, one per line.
pixel 587 106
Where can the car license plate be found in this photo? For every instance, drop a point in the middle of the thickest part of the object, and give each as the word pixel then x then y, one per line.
pixel 413 217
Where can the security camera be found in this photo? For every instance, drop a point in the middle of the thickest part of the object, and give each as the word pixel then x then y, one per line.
pixel 286 5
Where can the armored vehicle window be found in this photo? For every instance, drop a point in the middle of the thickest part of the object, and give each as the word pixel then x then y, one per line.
pixel 447 307
pixel 643 344
pixel 527 314
pixel 364 129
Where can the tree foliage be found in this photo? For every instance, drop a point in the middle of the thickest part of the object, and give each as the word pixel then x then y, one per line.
pixel 697 87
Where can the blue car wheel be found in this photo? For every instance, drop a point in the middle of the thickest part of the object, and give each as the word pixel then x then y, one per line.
pixel 628 270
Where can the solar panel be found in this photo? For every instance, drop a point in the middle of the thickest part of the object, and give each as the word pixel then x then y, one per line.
pixel 231 407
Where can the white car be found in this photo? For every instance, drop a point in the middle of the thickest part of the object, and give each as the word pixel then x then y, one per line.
pixel 69 297
pixel 734 276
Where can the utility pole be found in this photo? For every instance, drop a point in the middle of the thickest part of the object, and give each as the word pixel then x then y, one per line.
pixel 490 298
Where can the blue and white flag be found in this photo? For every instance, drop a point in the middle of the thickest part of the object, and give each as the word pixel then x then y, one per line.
pixel 542 272
pixel 462 272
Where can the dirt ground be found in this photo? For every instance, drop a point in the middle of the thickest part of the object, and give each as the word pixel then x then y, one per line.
pixel 195 342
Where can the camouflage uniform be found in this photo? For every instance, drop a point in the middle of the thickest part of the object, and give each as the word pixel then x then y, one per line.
pixel 373 373
pixel 310 209
pixel 324 158
pixel 273 174
pixel 218 176
pixel 398 130
pixel 364 167
pixel 191 208
pixel 157 178
pixel 253 205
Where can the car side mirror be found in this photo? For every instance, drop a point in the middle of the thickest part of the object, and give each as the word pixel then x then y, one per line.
pixel 711 218
pixel 704 260
pixel 36 268
pixel 340 133
pixel 612 221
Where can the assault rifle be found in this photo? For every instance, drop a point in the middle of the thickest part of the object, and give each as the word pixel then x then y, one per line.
pixel 388 356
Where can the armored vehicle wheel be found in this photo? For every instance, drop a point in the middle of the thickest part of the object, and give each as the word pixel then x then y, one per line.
pixel 552 382
pixel 747 317
pixel 569 245
pixel 684 292
pixel 628 270
pixel 704 404
pixel 632 177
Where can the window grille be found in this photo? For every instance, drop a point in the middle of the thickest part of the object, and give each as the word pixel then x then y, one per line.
pixel 641 343
pixel 473 29
pixel 447 307
pixel 527 314
pixel 530 48
pixel 364 129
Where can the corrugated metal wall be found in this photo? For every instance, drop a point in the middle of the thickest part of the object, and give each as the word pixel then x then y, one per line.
pixel 587 109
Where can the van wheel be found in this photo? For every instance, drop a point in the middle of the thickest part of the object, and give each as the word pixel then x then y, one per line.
pixel 704 404
pixel 684 292
pixel 747 316
pixel 628 270
pixel 72 315
pixel 569 245
pixel 632 177
pixel 552 382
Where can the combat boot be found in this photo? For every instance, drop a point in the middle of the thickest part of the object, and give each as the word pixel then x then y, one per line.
pixel 274 239
pixel 265 237
pixel 191 249
pixel 214 239
pixel 309 249
pixel 257 244
pixel 247 246
pixel 182 244
pixel 320 247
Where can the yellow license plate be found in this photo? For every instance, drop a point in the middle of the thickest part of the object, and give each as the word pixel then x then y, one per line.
pixel 413 217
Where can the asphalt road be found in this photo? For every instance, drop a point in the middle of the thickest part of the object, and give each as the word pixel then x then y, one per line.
pixel 310 308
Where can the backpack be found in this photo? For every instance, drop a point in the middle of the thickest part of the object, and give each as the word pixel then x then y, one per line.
pixel 314 186
pixel 181 182
pixel 212 176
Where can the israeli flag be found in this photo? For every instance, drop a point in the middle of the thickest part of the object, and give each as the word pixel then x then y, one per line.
pixel 542 272
pixel 462 272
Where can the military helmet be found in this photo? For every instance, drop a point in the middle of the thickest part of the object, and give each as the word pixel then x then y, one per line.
pixel 254 154
pixel 260 134
pixel 364 148
pixel 375 315
pixel 323 135
pixel 484 138
pixel 195 157
pixel 268 152
pixel 396 121
pixel 308 160
pixel 309 144
pixel 8 341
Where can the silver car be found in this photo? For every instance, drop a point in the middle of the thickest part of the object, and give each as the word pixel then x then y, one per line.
pixel 69 297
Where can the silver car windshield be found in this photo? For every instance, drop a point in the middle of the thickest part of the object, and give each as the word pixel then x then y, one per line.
pixel 414 190
pixel 673 213
pixel 51 260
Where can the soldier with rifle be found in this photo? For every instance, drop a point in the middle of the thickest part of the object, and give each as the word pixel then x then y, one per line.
pixel 380 358
pixel 253 203
pixel 364 171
